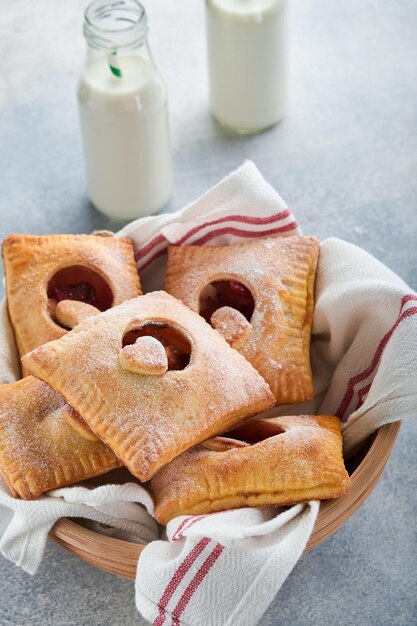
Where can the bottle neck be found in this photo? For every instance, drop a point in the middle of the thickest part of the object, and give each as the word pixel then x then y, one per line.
pixel 115 27
pixel 116 57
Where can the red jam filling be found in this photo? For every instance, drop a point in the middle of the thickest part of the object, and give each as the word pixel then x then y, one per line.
pixel 226 293
pixel 83 292
pixel 80 283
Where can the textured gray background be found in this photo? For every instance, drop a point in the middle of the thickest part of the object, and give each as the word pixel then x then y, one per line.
pixel 345 159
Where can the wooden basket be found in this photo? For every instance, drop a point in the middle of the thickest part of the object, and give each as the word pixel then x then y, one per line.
pixel 121 557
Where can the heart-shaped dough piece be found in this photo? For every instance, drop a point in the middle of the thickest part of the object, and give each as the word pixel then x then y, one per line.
pixel 148 420
pixel 70 313
pixel 234 326
pixel 147 357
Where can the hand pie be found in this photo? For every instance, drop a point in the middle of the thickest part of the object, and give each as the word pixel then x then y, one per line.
pixel 260 296
pixel 282 461
pixel 44 444
pixel 148 404
pixel 44 272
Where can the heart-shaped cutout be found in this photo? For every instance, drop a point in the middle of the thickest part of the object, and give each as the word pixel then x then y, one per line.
pixel 234 326
pixel 147 357
pixel 70 313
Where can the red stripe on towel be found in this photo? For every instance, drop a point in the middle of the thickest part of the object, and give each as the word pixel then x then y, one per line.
pixel 361 394
pixel 239 219
pixel 149 247
pixel 177 578
pixel 190 521
pixel 248 234
pixel 242 219
pixel 407 298
pixel 178 534
pixel 239 232
pixel 152 259
pixel 195 583
pixel 375 360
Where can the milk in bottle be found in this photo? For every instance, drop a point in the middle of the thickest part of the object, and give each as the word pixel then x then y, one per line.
pixel 248 62
pixel 123 113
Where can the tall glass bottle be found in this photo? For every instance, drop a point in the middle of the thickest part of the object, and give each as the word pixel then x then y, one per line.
pixel 123 113
pixel 247 43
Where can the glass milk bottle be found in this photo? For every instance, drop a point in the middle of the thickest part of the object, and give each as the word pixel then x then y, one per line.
pixel 247 42
pixel 123 113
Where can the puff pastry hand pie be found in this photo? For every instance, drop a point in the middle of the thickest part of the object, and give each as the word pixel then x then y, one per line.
pixel 147 403
pixel 281 461
pixel 270 285
pixel 44 444
pixel 44 272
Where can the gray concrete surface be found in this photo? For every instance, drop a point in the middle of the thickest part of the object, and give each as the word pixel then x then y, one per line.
pixel 345 159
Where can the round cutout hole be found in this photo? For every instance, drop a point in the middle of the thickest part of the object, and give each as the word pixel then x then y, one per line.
pixel 79 283
pixel 230 293
pixel 255 431
pixel 176 344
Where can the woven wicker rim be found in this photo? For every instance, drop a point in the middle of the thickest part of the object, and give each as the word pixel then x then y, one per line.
pixel 121 557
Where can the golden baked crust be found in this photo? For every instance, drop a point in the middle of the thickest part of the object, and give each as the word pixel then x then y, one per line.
pixel 301 459
pixel 40 450
pixel 30 262
pixel 149 420
pixel 280 275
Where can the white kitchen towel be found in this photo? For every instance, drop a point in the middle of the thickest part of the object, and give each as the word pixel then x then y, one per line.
pixel 221 569
pixel 242 206
pixel 225 568
pixel 114 506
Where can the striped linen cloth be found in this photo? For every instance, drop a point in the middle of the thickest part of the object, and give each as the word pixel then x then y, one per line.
pixel 225 568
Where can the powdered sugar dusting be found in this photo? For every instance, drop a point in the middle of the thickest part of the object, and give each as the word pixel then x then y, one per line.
pixel 300 463
pixel 30 262
pixel 149 420
pixel 39 449
pixel 280 274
